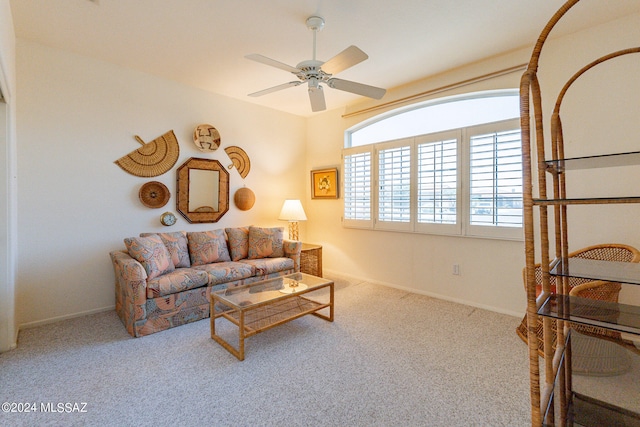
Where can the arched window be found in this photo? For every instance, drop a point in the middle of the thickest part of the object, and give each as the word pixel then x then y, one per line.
pixel 447 166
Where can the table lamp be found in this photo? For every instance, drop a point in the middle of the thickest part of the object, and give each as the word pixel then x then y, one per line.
pixel 292 211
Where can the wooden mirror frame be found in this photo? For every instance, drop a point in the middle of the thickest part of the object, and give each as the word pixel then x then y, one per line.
pixel 182 193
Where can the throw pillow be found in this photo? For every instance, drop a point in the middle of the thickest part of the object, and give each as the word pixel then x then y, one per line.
pixel 206 247
pixel 238 242
pixel 151 252
pixel 265 242
pixel 176 243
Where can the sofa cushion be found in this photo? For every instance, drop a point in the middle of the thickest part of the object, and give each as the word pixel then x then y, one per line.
pixel 238 242
pixel 178 280
pixel 265 242
pixel 206 247
pixel 151 252
pixel 223 272
pixel 266 266
pixel 176 243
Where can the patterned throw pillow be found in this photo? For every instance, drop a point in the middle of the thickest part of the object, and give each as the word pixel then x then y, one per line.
pixel 176 243
pixel 265 242
pixel 238 242
pixel 206 247
pixel 151 252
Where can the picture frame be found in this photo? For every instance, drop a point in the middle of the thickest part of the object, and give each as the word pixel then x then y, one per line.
pixel 324 183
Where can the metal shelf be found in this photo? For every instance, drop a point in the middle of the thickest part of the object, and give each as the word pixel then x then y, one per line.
pixel 610 271
pixel 592 162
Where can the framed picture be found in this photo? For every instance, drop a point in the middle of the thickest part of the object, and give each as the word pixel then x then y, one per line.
pixel 324 184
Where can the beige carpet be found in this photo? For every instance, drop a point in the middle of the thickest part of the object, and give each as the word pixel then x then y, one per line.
pixel 391 358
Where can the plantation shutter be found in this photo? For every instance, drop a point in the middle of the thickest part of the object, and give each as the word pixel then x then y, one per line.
pixel 357 188
pixel 496 179
pixel 394 186
pixel 437 182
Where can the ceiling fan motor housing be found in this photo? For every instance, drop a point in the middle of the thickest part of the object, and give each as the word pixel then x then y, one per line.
pixel 311 69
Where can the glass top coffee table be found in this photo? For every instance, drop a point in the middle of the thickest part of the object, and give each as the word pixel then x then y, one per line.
pixel 262 305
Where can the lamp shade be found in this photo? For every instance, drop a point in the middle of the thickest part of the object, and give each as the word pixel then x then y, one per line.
pixel 292 211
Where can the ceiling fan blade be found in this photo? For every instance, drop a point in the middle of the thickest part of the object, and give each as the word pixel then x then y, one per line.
pixel 272 62
pixel 316 96
pixel 345 59
pixel 275 88
pixel 357 88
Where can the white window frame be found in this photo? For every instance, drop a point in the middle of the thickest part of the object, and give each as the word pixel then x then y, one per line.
pixel 462 226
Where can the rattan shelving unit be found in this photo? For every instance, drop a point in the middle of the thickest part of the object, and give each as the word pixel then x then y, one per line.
pixel 553 402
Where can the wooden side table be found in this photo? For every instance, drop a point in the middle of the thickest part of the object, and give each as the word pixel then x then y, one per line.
pixel 311 259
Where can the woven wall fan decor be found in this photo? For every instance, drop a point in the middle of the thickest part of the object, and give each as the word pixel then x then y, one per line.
pixel 154 194
pixel 206 138
pixel 153 158
pixel 240 160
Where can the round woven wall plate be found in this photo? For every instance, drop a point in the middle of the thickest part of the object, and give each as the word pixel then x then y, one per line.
pixel 206 138
pixel 154 194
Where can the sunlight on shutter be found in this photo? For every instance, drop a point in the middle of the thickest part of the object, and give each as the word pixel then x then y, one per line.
pixel 437 182
pixel 496 179
pixel 394 188
pixel 357 186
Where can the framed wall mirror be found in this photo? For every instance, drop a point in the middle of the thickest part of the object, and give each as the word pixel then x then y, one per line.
pixel 203 190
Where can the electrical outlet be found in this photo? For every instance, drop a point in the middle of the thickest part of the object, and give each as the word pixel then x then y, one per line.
pixel 456 269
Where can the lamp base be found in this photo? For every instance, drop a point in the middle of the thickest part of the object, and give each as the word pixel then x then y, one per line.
pixel 293 230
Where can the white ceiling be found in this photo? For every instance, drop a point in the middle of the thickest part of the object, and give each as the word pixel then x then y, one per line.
pixel 202 43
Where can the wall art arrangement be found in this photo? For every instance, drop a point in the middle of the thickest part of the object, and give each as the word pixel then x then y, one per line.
pixel 196 205
pixel 324 183
pixel 197 179
pixel 206 138
pixel 154 194
pixel 168 219
pixel 153 158
pixel 244 199
pixel 239 159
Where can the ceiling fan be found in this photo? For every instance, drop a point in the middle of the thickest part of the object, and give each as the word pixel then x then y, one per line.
pixel 315 72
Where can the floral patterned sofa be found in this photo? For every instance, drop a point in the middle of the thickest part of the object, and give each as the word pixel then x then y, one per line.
pixel 164 280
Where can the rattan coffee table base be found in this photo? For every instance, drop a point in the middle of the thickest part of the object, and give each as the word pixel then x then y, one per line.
pixel 278 309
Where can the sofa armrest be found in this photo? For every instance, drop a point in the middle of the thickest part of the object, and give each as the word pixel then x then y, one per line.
pixel 292 249
pixel 131 288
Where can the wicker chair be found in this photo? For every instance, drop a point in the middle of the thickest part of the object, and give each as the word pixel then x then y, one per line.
pixel 586 288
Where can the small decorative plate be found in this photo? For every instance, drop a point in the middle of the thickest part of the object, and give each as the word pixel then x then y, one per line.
pixel 154 194
pixel 168 218
pixel 206 138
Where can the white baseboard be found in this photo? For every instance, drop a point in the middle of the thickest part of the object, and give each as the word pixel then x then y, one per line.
pixel 65 317
pixel 426 293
